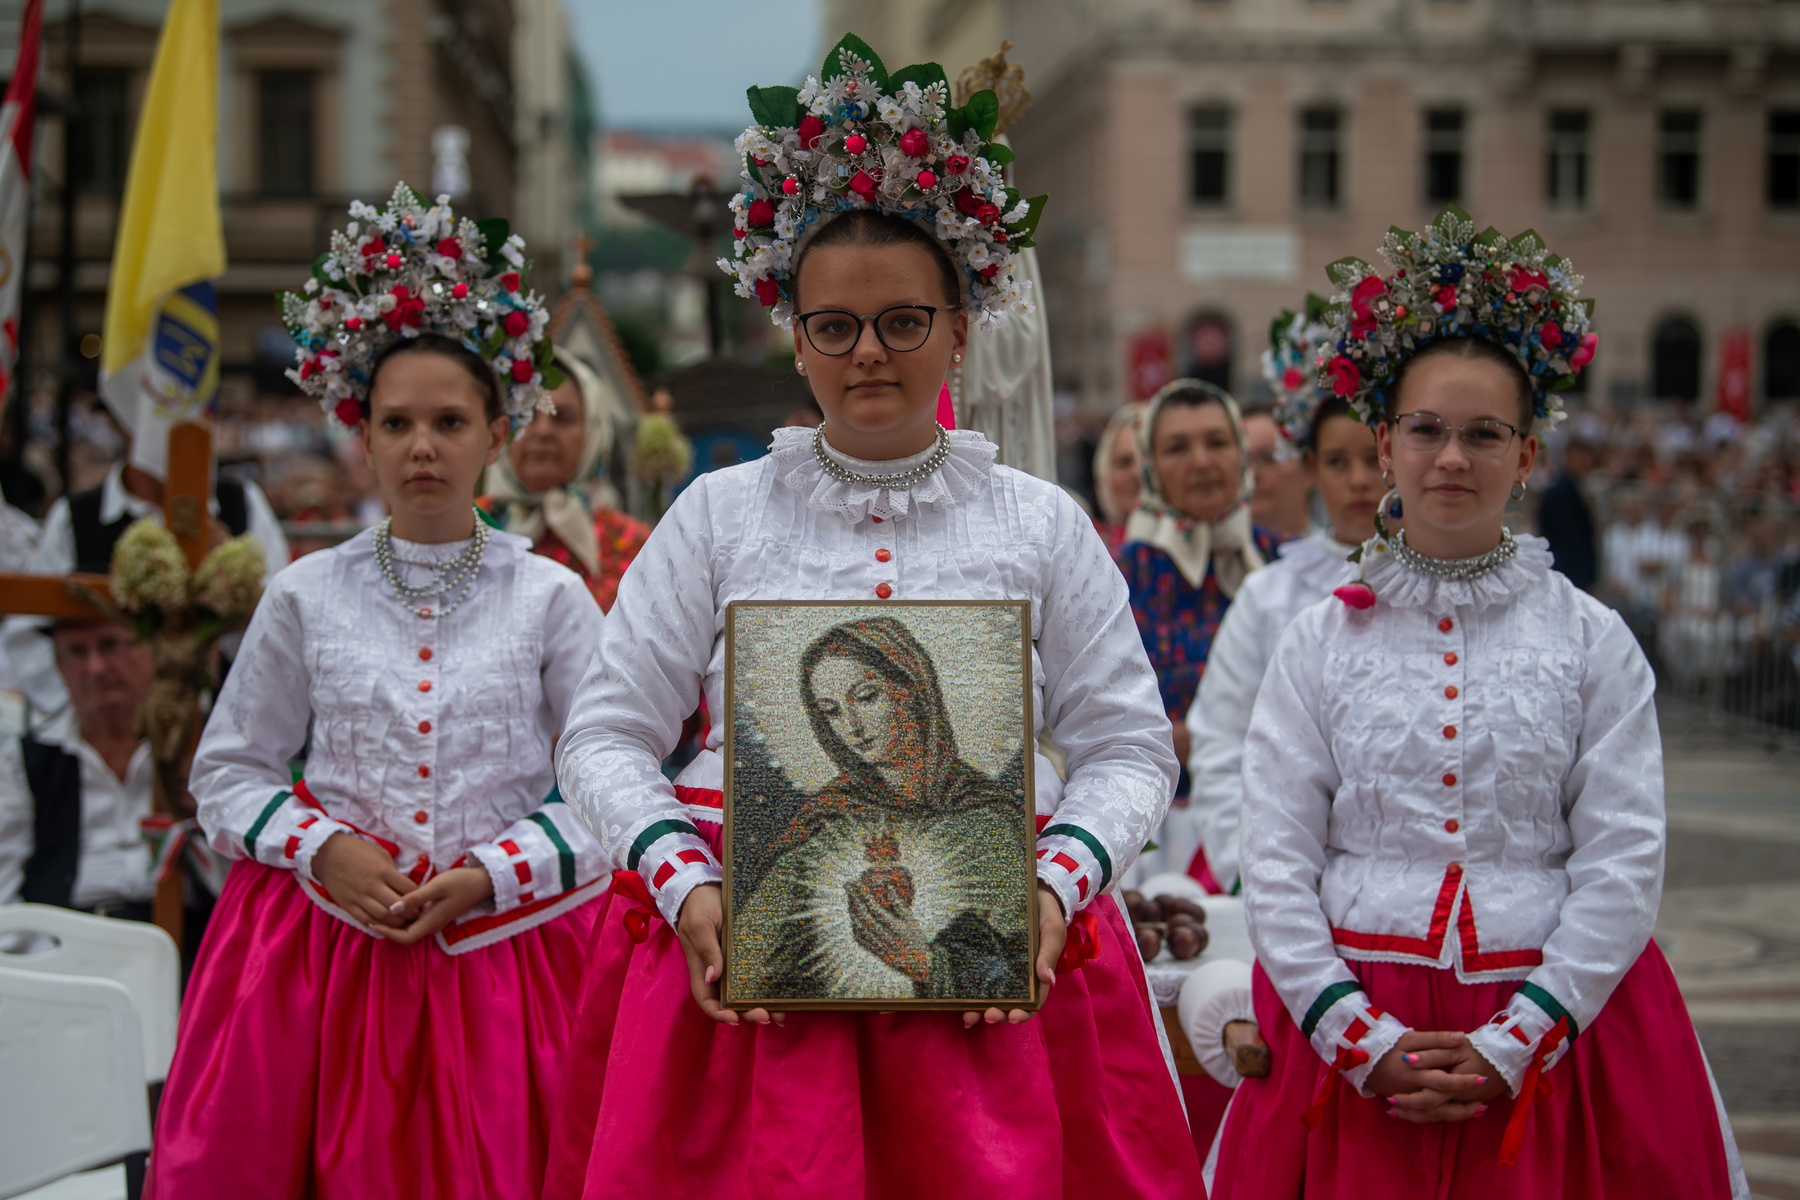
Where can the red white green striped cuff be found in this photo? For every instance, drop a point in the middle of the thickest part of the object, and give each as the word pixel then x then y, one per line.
pixel 546 853
pixel 672 859
pixel 1349 1032
pixel 1513 1037
pixel 1074 863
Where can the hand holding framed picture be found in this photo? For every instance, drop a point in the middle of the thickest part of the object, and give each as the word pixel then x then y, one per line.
pixel 879 806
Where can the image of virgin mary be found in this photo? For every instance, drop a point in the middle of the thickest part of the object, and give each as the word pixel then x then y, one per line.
pixel 905 876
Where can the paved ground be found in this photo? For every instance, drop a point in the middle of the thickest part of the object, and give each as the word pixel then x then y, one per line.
pixel 1730 924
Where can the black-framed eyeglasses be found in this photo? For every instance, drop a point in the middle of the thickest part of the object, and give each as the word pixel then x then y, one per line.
pixel 1428 434
pixel 834 332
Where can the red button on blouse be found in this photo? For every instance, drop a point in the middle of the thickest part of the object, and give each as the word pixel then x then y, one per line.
pixel 883 554
pixel 424 726
pixel 1450 693
pixel 877 520
pixel 1450 659
pixel 1449 781
pixel 1449 731
pixel 421 816
pixel 883 590
pixel 424 771
pixel 1446 625
pixel 425 654
pixel 424 685
pixel 1452 825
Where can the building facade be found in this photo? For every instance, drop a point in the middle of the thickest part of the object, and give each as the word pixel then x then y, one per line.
pixel 1207 158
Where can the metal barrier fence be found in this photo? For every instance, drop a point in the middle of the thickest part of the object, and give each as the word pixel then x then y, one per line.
pixel 1709 581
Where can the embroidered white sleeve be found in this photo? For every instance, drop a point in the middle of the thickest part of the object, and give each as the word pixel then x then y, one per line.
pixel 1218 721
pixel 642 683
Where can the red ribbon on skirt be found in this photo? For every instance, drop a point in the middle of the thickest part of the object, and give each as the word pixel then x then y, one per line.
pixel 1528 1091
pixel 629 885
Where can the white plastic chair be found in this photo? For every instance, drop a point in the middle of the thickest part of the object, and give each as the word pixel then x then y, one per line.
pixel 138 956
pixel 71 1078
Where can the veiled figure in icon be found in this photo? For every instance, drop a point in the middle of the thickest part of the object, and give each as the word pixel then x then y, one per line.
pixel 905 876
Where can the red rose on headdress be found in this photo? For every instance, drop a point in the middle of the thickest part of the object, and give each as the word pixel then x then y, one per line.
pixel 353 323
pixel 767 290
pixel 515 323
pixel 1344 376
pixel 1584 353
pixel 521 370
pixel 1371 289
pixel 914 143
pixel 991 270
pixel 762 213
pixel 408 310
pixel 1445 295
pixel 510 281
pixel 450 248
pixel 1550 335
pixel 811 130
pixel 372 247
pixel 862 184
pixel 1523 279
pixel 1293 379
pixel 349 411
pixel 957 164
pixel 987 214
pixel 967 202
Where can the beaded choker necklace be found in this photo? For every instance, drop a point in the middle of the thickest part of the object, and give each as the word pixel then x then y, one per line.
pixel 451 575
pixel 899 479
pixel 1454 568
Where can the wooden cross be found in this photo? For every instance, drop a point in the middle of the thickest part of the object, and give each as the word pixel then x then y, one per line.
pixel 185 513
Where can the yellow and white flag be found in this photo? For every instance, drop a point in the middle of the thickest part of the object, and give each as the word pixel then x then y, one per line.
pixel 160 354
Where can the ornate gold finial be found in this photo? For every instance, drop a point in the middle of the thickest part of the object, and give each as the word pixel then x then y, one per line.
pixel 1007 81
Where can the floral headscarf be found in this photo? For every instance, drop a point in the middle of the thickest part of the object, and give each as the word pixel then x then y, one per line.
pixel 1227 544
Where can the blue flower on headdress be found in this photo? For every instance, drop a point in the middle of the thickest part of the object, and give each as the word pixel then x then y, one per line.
pixel 1450 273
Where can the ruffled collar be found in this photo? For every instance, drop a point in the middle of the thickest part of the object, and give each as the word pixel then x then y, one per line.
pixel 964 473
pixel 1318 555
pixel 1394 583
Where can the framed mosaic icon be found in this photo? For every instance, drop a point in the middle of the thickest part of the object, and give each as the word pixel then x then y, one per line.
pixel 879 806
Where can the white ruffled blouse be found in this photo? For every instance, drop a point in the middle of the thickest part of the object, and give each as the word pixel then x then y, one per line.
pixel 1468 776
pixel 1219 719
pixel 431 738
pixel 780 528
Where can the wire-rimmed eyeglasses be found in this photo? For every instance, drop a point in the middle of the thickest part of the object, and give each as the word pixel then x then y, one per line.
pixel 834 332
pixel 1428 434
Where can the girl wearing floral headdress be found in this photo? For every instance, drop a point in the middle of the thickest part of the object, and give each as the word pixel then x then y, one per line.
pixel 1453 805
pixel 383 998
pixel 1189 546
pixel 912 231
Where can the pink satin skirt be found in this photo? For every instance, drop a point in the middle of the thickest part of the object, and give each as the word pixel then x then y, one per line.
pixel 1630 1113
pixel 661 1101
pixel 316 1061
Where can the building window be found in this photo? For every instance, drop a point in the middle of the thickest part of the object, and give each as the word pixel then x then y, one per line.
pixel 1566 159
pixel 1444 155
pixel 1209 151
pixel 1675 360
pixel 102 131
pixel 285 129
pixel 1209 350
pixel 1784 158
pixel 1680 154
pixel 1320 156
pixel 1781 362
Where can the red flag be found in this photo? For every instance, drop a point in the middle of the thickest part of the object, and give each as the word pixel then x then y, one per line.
pixel 1734 374
pixel 18 120
pixel 1149 363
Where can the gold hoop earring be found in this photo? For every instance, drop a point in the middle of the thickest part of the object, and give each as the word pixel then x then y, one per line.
pixel 1518 490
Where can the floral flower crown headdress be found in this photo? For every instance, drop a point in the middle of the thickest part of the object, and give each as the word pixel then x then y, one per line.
pixel 856 137
pixel 1451 282
pixel 409 269
pixel 1290 365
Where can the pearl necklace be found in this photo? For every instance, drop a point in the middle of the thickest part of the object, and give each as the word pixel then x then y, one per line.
pixel 1456 569
pixel 899 479
pixel 452 575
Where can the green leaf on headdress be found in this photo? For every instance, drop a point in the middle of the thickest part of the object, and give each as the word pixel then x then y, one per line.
pixel 1528 244
pixel 1490 238
pixel 1348 271
pixel 1586 306
pixel 958 122
pixel 1562 384
pixel 774 107
pixel 411 196
pixel 494 231
pixel 998 154
pixel 495 339
pixel 1448 218
pixel 923 74
pixel 318 271
pixel 983 112
pixel 1278 326
pixel 1315 307
pixel 1554 260
pixel 554 377
pixel 1022 233
pixel 877 72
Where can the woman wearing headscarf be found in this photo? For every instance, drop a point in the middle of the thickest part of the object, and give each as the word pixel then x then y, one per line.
pixel 1189 544
pixel 549 486
pixel 1118 474
pixel 905 832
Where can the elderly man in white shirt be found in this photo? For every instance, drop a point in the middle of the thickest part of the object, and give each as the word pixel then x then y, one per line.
pixel 72 793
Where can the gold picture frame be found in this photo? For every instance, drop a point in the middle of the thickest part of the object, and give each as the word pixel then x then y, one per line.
pixel 874 859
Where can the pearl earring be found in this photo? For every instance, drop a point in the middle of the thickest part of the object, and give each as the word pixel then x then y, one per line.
pixel 956 358
pixel 801 367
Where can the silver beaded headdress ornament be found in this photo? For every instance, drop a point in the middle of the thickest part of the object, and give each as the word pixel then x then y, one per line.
pixel 1449 281
pixel 1290 366
pixel 413 268
pixel 855 137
